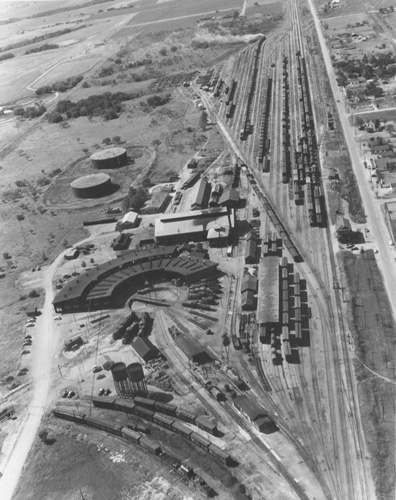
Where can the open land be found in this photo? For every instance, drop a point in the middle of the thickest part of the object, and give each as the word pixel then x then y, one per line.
pixel 250 102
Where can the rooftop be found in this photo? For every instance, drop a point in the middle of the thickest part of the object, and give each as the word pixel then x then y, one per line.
pixel 249 407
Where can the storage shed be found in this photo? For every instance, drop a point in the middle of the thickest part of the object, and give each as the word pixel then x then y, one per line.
pixel 255 414
pixel 192 349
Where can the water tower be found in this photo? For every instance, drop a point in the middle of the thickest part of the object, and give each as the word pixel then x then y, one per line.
pixel 122 383
pixel 136 378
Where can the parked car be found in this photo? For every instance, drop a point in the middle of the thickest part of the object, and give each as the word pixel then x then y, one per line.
pixel 29 325
pixel 25 351
pixel 71 394
pixel 65 393
pixel 27 343
pixel 107 392
pixel 57 318
pixel 101 391
pixel 97 368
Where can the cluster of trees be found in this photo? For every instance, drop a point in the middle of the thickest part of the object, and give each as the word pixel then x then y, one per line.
pixel 107 105
pixel 369 67
pixel 60 86
pixel 30 111
pixel 46 46
pixel 69 8
pixel 157 100
pixel 39 38
pixel 4 57
pixel 135 199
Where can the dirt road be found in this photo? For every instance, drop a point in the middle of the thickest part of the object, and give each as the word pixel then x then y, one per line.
pixel 43 354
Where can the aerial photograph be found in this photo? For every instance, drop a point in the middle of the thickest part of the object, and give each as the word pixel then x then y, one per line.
pixel 198 249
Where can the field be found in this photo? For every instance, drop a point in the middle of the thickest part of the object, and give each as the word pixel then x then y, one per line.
pixel 374 361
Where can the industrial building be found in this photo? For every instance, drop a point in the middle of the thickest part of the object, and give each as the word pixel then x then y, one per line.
pixel 202 196
pixel 109 158
pixel 92 186
pixel 129 221
pixel 145 349
pixel 157 203
pixel 213 224
pixel 255 414
pixel 230 198
pixel 192 349
pixel 268 313
pixel 97 287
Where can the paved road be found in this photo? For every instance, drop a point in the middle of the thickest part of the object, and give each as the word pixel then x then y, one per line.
pixel 375 218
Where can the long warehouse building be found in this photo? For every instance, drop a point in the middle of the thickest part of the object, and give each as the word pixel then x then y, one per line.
pixel 268 309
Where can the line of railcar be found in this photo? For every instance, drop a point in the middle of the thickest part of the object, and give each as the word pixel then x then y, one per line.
pixel 149 445
pixel 247 125
pixel 264 140
pixel 286 163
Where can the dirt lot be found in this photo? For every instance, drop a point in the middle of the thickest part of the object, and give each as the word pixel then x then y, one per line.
pixel 369 312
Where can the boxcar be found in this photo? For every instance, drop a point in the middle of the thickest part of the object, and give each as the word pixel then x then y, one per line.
pixel 185 415
pixel 146 402
pixel 286 347
pixel 165 408
pixel 103 402
pixel 297 315
pixel 205 424
pixel 200 441
pixel 181 429
pixel 69 415
pixel 150 445
pixel 102 425
pixel 130 435
pixel 298 330
pixel 163 421
pixel 144 412
pixel 223 456
pixel 124 405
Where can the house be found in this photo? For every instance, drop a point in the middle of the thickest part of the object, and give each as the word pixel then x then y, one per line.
pixel 251 251
pixel 130 220
pixel 384 164
pixel 202 197
pixel 73 254
pixel 249 283
pixel 388 180
pixel 343 227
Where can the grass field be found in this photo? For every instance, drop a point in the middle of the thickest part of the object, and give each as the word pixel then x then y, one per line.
pixel 372 327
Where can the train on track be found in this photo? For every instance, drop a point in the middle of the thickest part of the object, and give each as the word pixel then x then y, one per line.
pixel 153 447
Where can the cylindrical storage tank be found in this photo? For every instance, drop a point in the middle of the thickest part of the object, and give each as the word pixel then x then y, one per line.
pixel 119 372
pixel 92 186
pixel 135 372
pixel 109 158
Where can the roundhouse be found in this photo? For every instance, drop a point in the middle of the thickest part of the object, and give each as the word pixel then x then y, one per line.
pixel 109 158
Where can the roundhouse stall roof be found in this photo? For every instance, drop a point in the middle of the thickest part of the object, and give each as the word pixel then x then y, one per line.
pixel 75 287
pixel 269 291
pixel 196 221
pixel 183 265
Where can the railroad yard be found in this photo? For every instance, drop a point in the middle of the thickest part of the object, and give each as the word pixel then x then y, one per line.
pixel 225 338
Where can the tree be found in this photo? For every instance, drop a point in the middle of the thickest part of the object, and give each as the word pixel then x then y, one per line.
pixel 20 217
pixel 6 255
pixel 203 120
pixel 359 121
pixel 389 128
pixel 106 141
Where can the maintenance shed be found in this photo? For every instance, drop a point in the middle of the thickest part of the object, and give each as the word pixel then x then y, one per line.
pixel 145 349
pixel 247 300
pixel 230 198
pixel 202 196
pixel 251 250
pixel 157 203
pixel 255 414
pixel 192 349
pixel 249 282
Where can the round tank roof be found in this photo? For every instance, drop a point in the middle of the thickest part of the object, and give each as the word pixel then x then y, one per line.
pixel 89 181
pixel 106 154
pixel 119 372
pixel 135 372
